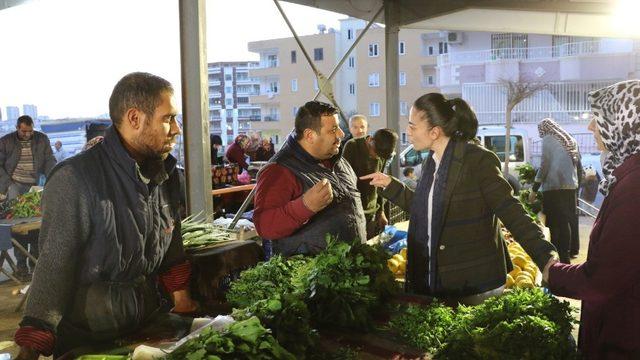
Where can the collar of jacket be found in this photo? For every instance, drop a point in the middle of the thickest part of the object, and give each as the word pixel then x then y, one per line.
pixel 303 155
pixel 117 151
pixel 630 164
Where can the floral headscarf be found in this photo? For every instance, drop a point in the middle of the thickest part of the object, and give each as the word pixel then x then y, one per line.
pixel 616 110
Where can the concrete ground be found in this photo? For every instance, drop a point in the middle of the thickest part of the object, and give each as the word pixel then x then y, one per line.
pixel 9 299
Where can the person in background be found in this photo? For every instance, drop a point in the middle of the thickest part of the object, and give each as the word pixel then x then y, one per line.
pixel 265 151
pixel 366 155
pixel 358 127
pixel 608 282
pixel 25 154
pixel 558 178
pixel 60 153
pixel 236 152
pixel 410 179
pixel 216 145
pixel 110 234
pixel 455 248
pixel 308 190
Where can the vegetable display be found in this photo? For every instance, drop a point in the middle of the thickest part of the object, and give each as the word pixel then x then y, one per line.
pixel 521 324
pixel 24 206
pixel 197 234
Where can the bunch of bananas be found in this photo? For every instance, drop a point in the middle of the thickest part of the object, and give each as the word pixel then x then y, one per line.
pixel 398 263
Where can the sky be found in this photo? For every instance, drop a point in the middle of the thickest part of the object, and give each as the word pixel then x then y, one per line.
pixel 65 56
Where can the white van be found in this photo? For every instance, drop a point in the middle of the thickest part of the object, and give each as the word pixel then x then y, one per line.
pixel 493 138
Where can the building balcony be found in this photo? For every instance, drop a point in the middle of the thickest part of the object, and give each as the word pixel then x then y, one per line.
pixel 215 94
pixel 272 117
pixel 215 82
pixel 264 98
pixel 585 48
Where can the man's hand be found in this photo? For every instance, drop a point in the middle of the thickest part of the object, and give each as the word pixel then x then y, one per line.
pixel 182 303
pixel 27 353
pixel 319 196
pixel 382 220
pixel 378 179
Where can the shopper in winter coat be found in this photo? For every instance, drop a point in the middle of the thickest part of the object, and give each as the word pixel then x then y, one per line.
pixel 455 249
pixel 608 283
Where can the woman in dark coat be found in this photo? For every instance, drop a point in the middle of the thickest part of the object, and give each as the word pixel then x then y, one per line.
pixel 608 283
pixel 455 249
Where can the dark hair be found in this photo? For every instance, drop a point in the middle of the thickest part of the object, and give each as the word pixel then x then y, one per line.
pixel 138 90
pixel 215 139
pixel 309 117
pixel 407 171
pixel 25 119
pixel 385 142
pixel 454 116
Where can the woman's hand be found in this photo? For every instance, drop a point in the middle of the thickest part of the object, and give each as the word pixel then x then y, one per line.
pixel 545 271
pixel 378 179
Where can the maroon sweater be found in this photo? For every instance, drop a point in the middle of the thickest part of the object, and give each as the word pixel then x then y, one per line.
pixel 608 283
pixel 235 154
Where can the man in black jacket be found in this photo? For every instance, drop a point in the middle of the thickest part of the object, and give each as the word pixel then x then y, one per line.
pixel 111 232
pixel 25 154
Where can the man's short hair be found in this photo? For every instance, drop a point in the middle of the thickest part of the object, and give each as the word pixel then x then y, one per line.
pixel 385 141
pixel 138 90
pixel 357 117
pixel 25 119
pixel 407 171
pixel 310 116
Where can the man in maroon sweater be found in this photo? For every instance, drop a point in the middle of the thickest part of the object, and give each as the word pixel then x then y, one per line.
pixel 236 151
pixel 308 189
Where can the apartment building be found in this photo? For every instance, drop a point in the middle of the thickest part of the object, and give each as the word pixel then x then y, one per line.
pixel 13 113
pixel 230 87
pixel 286 80
pixel 470 65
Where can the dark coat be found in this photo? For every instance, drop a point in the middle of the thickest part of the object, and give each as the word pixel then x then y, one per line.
pixel 43 158
pixel 608 283
pixel 471 255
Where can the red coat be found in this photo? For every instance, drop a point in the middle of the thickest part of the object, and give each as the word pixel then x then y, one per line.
pixel 608 283
pixel 235 154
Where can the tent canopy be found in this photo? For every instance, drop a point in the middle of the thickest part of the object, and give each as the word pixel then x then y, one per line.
pixel 601 18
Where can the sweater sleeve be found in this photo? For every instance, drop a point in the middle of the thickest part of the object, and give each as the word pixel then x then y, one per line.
pixel 279 209
pixel 65 229
pixel 612 266
pixel 499 197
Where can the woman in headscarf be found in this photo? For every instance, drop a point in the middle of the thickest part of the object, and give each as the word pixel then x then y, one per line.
pixel 608 283
pixel 558 177
pixel 455 248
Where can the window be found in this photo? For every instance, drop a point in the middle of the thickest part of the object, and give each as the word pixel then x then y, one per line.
pixel 294 58
pixel 318 54
pixel 272 61
pixel 315 84
pixel 401 48
pixel 430 50
pixel 509 46
pixel 295 111
pixel 352 62
pixel 443 48
pixel 228 77
pixel 349 34
pixel 352 89
pixel 403 138
pixel 229 102
pixel 373 50
pixel 403 108
pixel 294 85
pixel 374 80
pixel 276 139
pixel 496 144
pixel 273 87
pixel 374 109
pixel 402 79
pixel 573 45
pixel 243 100
pixel 228 90
pixel 429 79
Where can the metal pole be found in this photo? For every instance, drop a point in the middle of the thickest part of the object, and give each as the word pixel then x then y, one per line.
pixel 391 30
pixel 195 107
